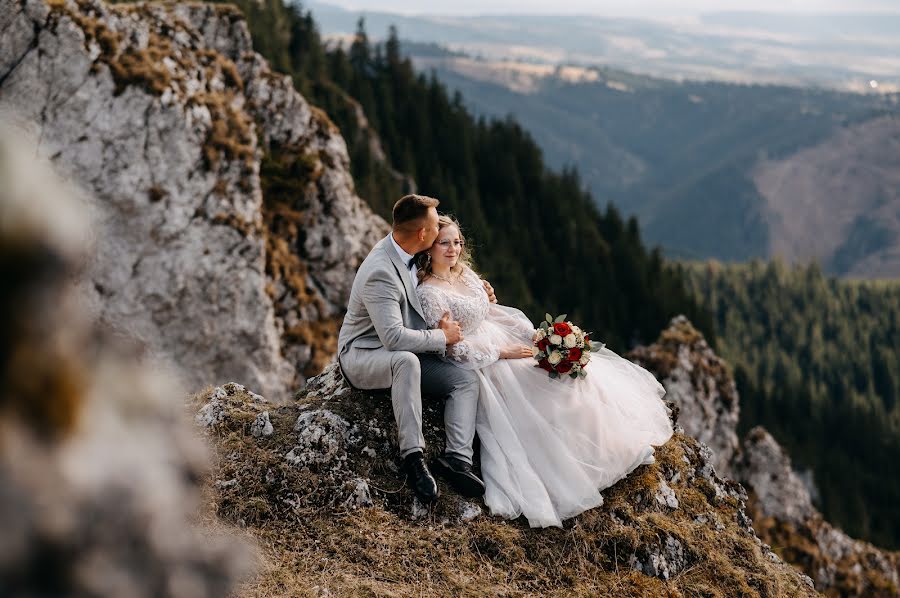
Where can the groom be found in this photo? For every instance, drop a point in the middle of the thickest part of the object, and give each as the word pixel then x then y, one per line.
pixel 385 342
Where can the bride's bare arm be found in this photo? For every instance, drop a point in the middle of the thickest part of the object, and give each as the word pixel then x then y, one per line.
pixel 515 352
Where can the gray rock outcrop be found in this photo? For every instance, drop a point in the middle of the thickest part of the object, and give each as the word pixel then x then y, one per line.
pixel 164 116
pixel 699 383
pixel 785 516
pixel 766 469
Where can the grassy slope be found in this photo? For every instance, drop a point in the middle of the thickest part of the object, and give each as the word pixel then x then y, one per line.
pixel 312 542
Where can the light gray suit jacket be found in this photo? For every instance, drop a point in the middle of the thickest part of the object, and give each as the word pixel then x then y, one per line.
pixel 384 310
pixel 381 344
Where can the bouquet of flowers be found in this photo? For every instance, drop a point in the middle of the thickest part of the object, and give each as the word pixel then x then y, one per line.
pixel 561 348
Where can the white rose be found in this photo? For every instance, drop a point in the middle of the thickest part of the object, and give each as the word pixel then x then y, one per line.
pixel 555 358
pixel 539 334
pixel 569 340
pixel 535 351
pixel 555 339
pixel 585 357
pixel 576 330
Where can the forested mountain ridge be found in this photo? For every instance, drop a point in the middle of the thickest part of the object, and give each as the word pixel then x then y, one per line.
pixel 711 169
pixel 816 362
pixel 537 234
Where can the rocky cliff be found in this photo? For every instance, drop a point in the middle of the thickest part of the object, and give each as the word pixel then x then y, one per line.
pixel 225 225
pixel 702 386
pixel 319 477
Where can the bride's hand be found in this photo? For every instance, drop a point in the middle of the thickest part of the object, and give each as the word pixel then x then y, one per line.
pixel 515 352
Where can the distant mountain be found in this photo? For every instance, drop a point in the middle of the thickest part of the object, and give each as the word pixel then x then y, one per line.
pixel 837 201
pixel 713 169
pixel 843 51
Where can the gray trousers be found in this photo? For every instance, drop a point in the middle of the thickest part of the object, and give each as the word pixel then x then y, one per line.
pixel 409 375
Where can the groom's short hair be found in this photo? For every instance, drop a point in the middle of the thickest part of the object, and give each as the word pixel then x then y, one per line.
pixel 410 211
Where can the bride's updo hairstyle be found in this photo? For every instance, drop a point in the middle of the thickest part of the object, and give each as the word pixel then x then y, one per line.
pixel 423 260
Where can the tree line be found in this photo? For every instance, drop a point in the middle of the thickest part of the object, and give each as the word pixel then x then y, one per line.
pixel 816 363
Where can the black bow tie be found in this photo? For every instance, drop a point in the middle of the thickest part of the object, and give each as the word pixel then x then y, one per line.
pixel 411 263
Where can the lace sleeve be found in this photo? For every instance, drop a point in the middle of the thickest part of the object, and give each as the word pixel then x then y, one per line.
pixel 473 354
pixel 434 304
pixel 476 351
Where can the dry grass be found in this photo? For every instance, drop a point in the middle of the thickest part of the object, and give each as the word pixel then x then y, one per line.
pixel 244 227
pixel 231 133
pixel 326 125
pixel 310 541
pixel 321 336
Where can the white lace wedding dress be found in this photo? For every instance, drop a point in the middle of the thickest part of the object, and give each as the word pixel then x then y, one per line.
pixel 548 446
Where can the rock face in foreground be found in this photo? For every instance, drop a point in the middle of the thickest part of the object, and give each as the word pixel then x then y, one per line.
pixel 225 225
pixel 324 490
pixel 700 384
pixel 101 478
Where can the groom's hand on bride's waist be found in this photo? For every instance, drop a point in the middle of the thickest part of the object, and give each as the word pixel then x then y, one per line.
pixel 451 329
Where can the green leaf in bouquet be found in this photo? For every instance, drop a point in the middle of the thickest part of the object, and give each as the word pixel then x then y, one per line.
pixel 573 375
pixel 554 374
pixel 561 318
pixel 548 317
pixel 545 326
pixel 582 374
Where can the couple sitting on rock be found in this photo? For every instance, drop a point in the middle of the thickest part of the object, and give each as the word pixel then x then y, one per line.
pixel 420 320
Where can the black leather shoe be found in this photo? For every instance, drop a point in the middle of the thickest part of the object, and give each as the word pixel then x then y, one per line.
pixel 458 474
pixel 419 479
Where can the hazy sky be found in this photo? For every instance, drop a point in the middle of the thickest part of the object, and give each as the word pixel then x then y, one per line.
pixel 646 8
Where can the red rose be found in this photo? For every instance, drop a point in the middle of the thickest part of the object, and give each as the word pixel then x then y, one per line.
pixel 574 354
pixel 587 337
pixel 543 344
pixel 563 367
pixel 545 365
pixel 561 328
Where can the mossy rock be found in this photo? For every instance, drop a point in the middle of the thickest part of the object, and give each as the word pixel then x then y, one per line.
pixel 298 491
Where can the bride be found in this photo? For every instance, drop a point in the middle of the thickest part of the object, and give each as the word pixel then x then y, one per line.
pixel 548 446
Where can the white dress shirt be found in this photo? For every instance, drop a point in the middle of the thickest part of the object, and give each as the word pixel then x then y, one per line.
pixel 405 257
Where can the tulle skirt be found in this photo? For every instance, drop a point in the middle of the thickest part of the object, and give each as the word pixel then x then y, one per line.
pixel 550 446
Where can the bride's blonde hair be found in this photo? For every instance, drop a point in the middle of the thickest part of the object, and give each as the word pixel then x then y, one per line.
pixel 423 258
